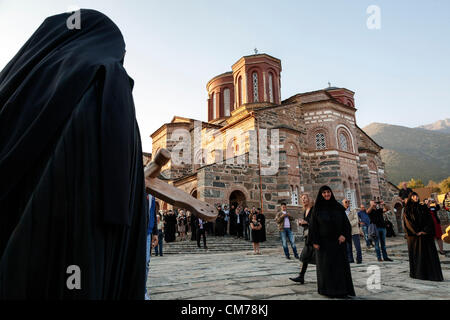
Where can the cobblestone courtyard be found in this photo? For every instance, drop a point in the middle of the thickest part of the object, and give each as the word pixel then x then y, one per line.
pixel 242 275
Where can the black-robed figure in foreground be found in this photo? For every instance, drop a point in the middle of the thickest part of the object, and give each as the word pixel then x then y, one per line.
pixel 72 192
pixel 328 231
pixel 424 261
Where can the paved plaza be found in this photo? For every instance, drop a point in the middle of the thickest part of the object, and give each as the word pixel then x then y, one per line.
pixel 240 275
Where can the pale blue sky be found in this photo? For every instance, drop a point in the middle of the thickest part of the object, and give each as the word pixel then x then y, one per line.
pixel 400 73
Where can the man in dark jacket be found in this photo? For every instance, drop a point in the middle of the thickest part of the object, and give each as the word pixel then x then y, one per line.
pixel 246 223
pixel 239 222
pixel 404 192
pixel 200 231
pixel 375 213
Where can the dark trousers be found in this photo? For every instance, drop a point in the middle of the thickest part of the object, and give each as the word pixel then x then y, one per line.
pixel 225 227
pixel 239 230
pixel 201 232
pixel 357 243
pixel 247 231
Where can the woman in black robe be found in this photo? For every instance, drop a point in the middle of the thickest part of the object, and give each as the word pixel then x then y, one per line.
pixel 171 225
pixel 424 261
pixel 72 192
pixel 220 222
pixel 193 228
pixel 308 254
pixel 328 232
pixel 262 220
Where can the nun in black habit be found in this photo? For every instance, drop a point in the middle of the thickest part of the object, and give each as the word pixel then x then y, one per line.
pixel 72 191
pixel 424 261
pixel 328 231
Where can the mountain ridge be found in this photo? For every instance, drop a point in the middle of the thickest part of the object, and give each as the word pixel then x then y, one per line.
pixel 439 126
pixel 417 153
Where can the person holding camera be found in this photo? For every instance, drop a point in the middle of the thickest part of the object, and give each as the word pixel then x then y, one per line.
pixel 375 213
pixel 364 222
pixel 284 220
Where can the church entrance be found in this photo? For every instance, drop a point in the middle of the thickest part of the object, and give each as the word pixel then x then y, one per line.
pixel 237 198
pixel 398 207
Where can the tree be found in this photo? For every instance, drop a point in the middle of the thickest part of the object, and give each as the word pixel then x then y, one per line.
pixel 444 185
pixel 435 186
pixel 414 184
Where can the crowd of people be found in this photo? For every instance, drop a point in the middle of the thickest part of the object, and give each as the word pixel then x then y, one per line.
pixel 237 221
pixel 331 230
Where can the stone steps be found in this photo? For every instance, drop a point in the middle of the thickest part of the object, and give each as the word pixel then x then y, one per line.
pixel 218 244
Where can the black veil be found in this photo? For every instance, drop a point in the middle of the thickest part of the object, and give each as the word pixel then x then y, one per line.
pixel 322 203
pixel 71 178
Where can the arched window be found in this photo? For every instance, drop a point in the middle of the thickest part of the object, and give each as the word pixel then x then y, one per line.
pixel 231 148
pixel 320 141
pixel 270 87
pixel 214 105
pixel 241 93
pixel 255 87
pixel 226 101
pixel 343 141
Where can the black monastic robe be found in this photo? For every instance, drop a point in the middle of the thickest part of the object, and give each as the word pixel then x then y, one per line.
pixel 424 261
pixel 72 193
pixel 333 269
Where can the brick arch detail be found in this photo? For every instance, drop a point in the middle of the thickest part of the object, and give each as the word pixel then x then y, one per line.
pixel 312 138
pixel 250 72
pixel 288 142
pixel 276 76
pixel 346 130
pixel 235 187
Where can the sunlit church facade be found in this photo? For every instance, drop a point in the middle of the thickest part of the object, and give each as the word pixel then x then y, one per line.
pixel 317 142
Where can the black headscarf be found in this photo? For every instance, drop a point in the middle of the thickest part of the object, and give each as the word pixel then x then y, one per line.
pixel 413 208
pixel 40 89
pixel 321 203
pixel 71 174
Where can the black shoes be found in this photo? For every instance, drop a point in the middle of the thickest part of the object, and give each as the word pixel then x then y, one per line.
pixel 387 259
pixel 287 257
pixel 297 257
pixel 299 279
